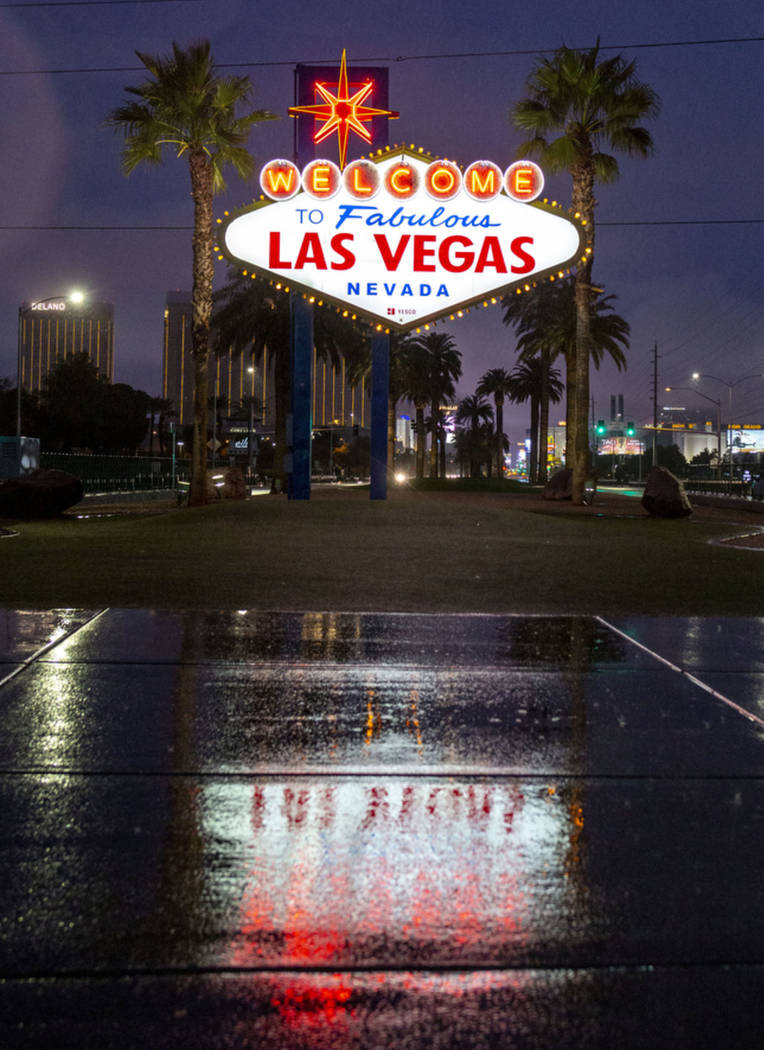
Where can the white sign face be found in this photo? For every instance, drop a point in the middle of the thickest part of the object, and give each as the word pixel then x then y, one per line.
pixel 402 240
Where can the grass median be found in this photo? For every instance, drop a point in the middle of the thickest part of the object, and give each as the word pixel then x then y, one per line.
pixel 417 551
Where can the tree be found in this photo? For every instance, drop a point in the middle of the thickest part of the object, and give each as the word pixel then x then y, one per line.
pixel 497 383
pixel 476 412
pixel 545 322
pixel 187 107
pixel 81 409
pixel 397 390
pixel 160 405
pixel 414 361
pixel 530 379
pixel 252 317
pixel 578 104
pixel 123 422
pixel 442 364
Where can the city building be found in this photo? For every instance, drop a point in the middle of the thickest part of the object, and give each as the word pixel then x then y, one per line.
pixel 52 330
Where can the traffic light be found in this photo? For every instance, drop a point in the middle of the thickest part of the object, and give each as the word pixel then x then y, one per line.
pixel 630 430
pixel 601 428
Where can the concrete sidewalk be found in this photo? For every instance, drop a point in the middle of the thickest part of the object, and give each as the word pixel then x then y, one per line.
pixel 309 830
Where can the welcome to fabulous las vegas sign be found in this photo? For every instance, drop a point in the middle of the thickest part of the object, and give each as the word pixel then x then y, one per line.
pixel 401 238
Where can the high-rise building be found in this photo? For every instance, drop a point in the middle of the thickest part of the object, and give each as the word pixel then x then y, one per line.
pixel 234 378
pixel 52 330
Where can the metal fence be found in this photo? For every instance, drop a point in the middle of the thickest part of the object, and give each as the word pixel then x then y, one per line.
pixel 741 489
pixel 119 473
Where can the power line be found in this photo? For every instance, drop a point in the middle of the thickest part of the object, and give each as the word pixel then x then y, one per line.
pixel 684 222
pixel 362 61
pixel 656 222
pixel 97 3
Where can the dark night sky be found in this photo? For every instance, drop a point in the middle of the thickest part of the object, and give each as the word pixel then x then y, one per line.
pixel 692 283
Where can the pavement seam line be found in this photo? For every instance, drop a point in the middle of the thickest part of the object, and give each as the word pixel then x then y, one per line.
pixel 686 674
pixel 49 646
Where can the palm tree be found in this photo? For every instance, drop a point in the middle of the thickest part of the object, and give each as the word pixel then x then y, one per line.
pixel 414 363
pixel 545 322
pixel 444 369
pixel 577 105
pixel 252 317
pixel 529 380
pixel 166 412
pixel 397 391
pixel 476 412
pixel 497 383
pixel 187 107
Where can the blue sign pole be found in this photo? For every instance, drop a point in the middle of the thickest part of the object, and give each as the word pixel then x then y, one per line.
pixel 302 369
pixel 380 391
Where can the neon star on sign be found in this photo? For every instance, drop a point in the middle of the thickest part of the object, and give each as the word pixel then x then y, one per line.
pixel 343 112
pixel 401 239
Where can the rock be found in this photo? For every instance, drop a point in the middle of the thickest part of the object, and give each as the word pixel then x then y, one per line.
pixel 226 483
pixel 560 486
pixel 39 494
pixel 664 495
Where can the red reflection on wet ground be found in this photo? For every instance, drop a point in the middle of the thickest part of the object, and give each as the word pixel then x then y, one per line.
pixel 316 1004
pixel 405 1010
pixel 364 871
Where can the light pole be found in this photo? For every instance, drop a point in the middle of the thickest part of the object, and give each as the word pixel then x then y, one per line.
pixel 730 387
pixel 250 429
pixel 718 404
pixel 74 297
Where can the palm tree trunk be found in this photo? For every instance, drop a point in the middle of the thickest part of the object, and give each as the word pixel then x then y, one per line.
pixel 201 300
pixel 543 418
pixel 420 436
pixel 434 441
pixel 533 465
pixel 499 437
pixel 392 401
pixel 570 406
pixel 583 202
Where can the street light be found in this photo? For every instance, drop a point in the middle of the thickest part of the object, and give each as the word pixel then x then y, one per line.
pixel 713 400
pixel 730 386
pixel 250 429
pixel 75 297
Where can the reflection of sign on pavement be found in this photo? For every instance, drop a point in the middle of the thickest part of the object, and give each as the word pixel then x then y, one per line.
pixel 401 239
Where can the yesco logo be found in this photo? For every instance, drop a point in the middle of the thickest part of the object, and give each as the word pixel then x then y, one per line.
pixel 401 239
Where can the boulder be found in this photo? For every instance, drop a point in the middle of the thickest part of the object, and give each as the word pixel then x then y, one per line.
pixel 560 486
pixel 226 483
pixel 39 494
pixel 664 495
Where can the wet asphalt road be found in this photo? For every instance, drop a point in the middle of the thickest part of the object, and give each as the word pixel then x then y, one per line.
pixel 338 830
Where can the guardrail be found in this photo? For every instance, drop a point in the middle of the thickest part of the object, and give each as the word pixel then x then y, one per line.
pixel 740 489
